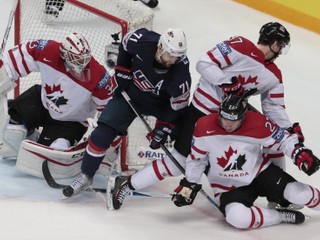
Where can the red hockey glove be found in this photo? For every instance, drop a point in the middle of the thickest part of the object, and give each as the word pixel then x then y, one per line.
pixel 235 87
pixel 123 77
pixel 296 129
pixel 305 160
pixel 160 134
pixel 185 193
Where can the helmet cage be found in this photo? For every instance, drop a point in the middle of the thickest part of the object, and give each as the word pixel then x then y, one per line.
pixel 76 52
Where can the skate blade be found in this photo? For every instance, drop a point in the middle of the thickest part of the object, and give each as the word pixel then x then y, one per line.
pixel 109 190
pixel 292 206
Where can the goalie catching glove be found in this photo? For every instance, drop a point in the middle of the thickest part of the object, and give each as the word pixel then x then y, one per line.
pixel 185 193
pixel 159 134
pixel 235 87
pixel 123 77
pixel 305 160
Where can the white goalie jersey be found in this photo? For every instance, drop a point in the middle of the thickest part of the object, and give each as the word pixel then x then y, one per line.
pixel 66 97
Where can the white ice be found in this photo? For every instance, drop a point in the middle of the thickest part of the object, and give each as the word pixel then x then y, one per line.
pixel 29 209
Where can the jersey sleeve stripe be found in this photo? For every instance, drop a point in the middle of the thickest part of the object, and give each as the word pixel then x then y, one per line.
pixel 199 150
pixel 13 60
pixel 206 95
pixel 277 95
pixel 196 100
pixel 24 63
pixel 213 58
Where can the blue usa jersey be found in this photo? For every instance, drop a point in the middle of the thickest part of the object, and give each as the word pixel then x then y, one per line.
pixel 159 91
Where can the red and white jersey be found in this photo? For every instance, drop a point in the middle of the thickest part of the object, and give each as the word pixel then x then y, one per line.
pixel 235 158
pixel 241 58
pixel 66 97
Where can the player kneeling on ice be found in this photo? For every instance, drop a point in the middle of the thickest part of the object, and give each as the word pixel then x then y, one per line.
pixel 230 142
pixel 73 87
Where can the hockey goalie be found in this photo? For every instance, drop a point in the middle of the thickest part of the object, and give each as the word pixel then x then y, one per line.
pixel 49 122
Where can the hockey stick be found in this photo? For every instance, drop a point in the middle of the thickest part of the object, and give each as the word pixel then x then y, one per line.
pixel 6 34
pixel 164 148
pixel 52 183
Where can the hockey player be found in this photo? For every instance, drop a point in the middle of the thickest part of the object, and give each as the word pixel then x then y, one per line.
pixel 74 86
pixel 230 142
pixel 234 66
pixel 154 71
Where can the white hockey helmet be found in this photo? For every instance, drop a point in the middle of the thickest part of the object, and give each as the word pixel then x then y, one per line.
pixel 174 41
pixel 76 52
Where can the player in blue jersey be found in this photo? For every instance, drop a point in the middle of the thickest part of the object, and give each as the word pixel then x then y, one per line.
pixel 154 71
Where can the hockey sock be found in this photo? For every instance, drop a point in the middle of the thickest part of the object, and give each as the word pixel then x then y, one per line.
pixel 100 140
pixel 302 194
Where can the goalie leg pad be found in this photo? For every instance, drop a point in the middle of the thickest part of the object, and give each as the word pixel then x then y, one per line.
pixel 62 164
pixel 12 137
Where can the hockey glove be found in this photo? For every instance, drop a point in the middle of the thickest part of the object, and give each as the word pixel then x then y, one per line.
pixel 305 160
pixel 296 129
pixel 185 193
pixel 160 134
pixel 235 87
pixel 123 77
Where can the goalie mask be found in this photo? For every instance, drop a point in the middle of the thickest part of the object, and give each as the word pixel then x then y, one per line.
pixel 173 41
pixel 76 52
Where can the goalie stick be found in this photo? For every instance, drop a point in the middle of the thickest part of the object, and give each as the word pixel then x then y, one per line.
pixel 52 183
pixel 6 34
pixel 163 147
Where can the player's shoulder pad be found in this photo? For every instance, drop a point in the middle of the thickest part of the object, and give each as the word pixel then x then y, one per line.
pixel 134 39
pixel 272 67
pixel 207 125
pixel 246 47
pixel 260 126
pixel 42 44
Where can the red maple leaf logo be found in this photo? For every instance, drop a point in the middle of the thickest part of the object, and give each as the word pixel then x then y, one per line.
pixel 249 80
pixel 50 90
pixel 223 161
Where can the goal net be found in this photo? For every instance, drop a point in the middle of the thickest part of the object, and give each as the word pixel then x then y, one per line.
pixel 97 20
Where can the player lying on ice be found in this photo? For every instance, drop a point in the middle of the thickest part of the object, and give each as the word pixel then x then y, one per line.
pixel 230 142
pixel 73 87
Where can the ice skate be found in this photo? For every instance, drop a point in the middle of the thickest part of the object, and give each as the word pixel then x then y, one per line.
pixel 290 216
pixel 80 184
pixel 291 206
pixel 117 190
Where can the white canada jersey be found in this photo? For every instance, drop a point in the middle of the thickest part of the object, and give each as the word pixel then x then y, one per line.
pixel 241 58
pixel 65 97
pixel 235 158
